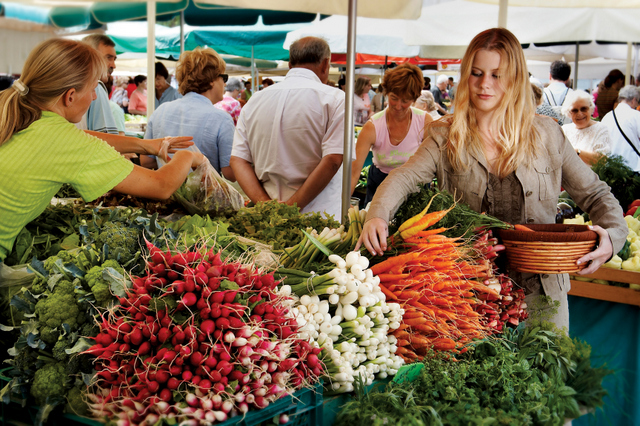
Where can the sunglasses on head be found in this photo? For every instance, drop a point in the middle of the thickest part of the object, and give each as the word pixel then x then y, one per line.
pixel 225 77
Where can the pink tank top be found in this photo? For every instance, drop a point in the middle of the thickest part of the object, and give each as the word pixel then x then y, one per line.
pixel 387 157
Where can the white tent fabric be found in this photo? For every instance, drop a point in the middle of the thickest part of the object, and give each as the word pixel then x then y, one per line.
pixel 529 24
pixel 17 39
pixel 374 36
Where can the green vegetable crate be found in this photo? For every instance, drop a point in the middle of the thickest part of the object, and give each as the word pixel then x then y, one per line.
pixel 303 408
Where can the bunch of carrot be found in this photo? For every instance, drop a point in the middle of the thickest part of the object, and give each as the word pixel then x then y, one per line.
pixel 433 280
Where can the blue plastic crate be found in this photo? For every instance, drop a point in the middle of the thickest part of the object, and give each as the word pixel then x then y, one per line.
pixel 303 408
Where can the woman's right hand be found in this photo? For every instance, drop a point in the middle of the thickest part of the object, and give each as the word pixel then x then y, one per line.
pixel 198 159
pixel 374 236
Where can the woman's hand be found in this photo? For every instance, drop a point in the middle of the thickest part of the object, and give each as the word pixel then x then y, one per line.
pixel 164 146
pixel 198 159
pixel 599 255
pixel 374 236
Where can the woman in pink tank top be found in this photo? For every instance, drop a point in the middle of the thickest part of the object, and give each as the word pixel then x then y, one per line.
pixel 394 133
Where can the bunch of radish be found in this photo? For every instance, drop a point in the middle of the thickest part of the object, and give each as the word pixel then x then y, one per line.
pixel 196 341
pixel 345 313
pixel 504 307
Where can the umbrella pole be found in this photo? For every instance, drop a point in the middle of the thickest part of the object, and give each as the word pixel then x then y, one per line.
pixel 348 109
pixel 627 78
pixel 181 32
pixel 575 69
pixel 151 56
pixel 253 73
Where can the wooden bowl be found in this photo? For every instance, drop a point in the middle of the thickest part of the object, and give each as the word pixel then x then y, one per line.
pixel 549 249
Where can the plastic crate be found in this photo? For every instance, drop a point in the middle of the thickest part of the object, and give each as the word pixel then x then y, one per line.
pixel 303 408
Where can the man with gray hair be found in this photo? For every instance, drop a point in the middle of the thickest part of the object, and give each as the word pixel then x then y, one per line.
pixel 99 117
pixel 288 143
pixel 440 93
pixel 624 127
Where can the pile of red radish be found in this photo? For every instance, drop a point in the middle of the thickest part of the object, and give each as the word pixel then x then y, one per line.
pixel 228 344
pixel 507 308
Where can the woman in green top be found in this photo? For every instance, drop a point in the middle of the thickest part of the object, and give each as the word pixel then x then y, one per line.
pixel 40 148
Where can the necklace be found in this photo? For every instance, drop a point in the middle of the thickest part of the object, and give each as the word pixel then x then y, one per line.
pixel 404 134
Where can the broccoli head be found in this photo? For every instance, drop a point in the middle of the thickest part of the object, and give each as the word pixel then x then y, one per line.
pixel 59 350
pixel 76 402
pixel 99 286
pixel 121 240
pixel 63 255
pixel 49 381
pixel 39 286
pixel 60 307
pixel 49 335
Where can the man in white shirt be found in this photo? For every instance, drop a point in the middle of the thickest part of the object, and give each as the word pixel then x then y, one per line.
pixel 628 121
pixel 289 140
pixel 558 89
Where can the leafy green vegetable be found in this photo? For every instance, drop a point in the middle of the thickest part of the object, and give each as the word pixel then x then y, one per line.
pixel 624 183
pixel 277 224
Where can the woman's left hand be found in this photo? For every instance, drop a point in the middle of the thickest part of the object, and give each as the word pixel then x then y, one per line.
pixel 164 146
pixel 599 255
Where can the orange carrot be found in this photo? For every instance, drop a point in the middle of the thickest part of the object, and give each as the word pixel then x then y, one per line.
pixel 392 277
pixel 402 342
pixel 392 262
pixel 425 222
pixel 415 321
pixel 388 293
pixel 522 228
pixel 411 221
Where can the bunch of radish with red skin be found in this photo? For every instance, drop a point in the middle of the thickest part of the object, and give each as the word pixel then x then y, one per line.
pixel 228 346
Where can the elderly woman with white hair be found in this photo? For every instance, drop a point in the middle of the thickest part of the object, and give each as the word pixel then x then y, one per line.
pixel 426 103
pixel 589 138
pixel 440 93
pixel 230 102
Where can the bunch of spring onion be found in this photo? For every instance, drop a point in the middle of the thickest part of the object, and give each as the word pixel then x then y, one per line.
pixel 345 313
pixel 196 341
pixel 335 240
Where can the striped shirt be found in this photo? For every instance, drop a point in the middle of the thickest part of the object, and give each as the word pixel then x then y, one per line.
pixel 35 162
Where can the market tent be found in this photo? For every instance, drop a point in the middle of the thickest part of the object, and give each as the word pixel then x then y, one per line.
pixel 529 24
pixel 94 14
pixel 231 40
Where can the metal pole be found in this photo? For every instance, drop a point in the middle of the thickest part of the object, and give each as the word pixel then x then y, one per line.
pixel 627 77
pixel 253 73
pixel 502 13
pixel 348 109
pixel 181 32
pixel 575 69
pixel 151 57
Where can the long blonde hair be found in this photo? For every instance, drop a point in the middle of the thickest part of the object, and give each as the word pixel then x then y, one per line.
pixel 52 68
pixel 516 138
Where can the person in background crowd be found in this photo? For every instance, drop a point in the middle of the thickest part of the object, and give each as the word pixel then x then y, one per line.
pixel 393 134
pixel 138 101
pixel 608 92
pixel 118 113
pixel 99 117
pixel 451 88
pixel 499 157
pixel 342 83
pixel 623 123
pixel 542 108
pixel 426 103
pixel 229 102
pixel 372 94
pixel 332 83
pixel 5 82
pixel 556 92
pixel 246 94
pixel 427 84
pixel 164 91
pixel 361 101
pixel 266 83
pixel 131 86
pixel 589 138
pixel 119 94
pixel 202 79
pixel 440 93
pixel 41 149
pixel 378 102
pixel 285 152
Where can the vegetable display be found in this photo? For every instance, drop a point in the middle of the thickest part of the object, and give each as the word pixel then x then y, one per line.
pixel 198 339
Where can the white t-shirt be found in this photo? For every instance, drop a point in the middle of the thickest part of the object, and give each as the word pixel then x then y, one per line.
pixel 629 120
pixel 594 138
pixel 286 130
